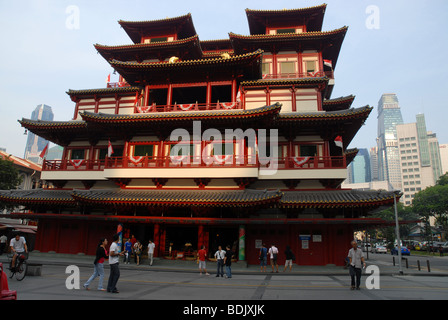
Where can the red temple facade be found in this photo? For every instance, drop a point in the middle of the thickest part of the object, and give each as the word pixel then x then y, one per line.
pixel 275 82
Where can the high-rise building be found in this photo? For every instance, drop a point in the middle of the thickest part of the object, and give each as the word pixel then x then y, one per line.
pixel 359 169
pixel 34 143
pixel 389 115
pixel 419 158
pixel 443 150
pixel 373 153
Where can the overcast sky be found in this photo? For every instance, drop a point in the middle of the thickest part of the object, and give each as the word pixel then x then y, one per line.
pixel 402 49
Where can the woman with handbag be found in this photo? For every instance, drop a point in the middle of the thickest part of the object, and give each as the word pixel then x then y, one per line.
pixel 98 268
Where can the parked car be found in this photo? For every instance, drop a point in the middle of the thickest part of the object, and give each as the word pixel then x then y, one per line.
pixel 380 249
pixel 404 251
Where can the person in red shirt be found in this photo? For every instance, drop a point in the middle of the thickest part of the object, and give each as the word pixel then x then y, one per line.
pixel 202 254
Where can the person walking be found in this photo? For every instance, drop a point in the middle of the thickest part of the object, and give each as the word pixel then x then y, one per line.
pixel 356 261
pixel 289 255
pixel 228 262
pixel 127 251
pixel 273 252
pixel 220 255
pixel 263 257
pixel 98 267
pixel 114 256
pixel 202 254
pixel 151 247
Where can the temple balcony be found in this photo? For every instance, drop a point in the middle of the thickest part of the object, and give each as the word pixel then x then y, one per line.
pixel 225 166
pixel 299 75
pixel 189 107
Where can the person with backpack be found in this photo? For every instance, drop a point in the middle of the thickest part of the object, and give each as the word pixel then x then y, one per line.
pixel 263 256
pixel 289 257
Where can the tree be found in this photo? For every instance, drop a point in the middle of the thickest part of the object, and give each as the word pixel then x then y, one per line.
pixel 9 177
pixel 433 202
pixel 404 214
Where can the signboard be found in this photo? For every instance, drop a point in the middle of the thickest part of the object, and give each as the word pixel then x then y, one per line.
pixel 305 244
pixel 305 239
pixel 317 238
pixel 258 244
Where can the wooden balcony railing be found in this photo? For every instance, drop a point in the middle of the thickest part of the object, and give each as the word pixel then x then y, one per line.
pixel 189 107
pixel 230 161
pixel 73 165
pixel 317 162
pixel 296 75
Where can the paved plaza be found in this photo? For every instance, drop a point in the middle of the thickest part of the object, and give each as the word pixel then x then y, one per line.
pixel 180 280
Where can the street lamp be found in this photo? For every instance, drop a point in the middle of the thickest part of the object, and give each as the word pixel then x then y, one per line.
pixel 397 229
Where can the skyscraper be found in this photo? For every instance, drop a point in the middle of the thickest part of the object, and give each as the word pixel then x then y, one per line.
pixel 373 153
pixel 34 143
pixel 389 115
pixel 360 167
pixel 419 157
pixel 443 150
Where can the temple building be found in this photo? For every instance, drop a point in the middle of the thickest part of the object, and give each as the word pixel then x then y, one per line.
pixel 230 141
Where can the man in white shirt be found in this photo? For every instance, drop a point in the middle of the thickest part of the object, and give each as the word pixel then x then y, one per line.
pixel 114 256
pixel 219 255
pixel 18 246
pixel 151 247
pixel 357 261
pixel 273 251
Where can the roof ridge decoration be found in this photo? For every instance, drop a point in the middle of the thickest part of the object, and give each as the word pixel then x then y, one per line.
pixel 323 6
pixel 286 35
pixel 187 62
pixel 149 44
pixel 160 116
pixel 188 15
pixel 327 114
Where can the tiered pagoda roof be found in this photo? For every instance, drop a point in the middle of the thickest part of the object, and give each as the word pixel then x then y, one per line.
pixel 219 68
pixel 182 26
pixel 346 122
pixel 329 42
pixel 202 198
pixel 311 17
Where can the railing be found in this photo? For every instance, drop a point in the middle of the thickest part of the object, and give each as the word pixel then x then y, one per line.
pixel 229 161
pixel 296 75
pixel 73 165
pixel 117 84
pixel 189 107
pixel 318 162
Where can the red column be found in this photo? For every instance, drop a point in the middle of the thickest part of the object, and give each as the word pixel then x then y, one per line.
pixel 162 240
pixel 146 103
pixel 156 239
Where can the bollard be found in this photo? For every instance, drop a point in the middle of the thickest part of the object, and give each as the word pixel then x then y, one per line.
pixel 393 260
pixel 427 263
pixel 418 265
pixel 407 265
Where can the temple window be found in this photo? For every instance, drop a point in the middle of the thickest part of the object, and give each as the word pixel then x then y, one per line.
pixel 287 67
pixel 77 154
pixel 143 150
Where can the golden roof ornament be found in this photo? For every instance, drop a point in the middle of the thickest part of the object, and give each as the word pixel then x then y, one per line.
pixel 173 59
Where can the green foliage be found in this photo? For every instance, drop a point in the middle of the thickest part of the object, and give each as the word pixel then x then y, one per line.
pixel 9 177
